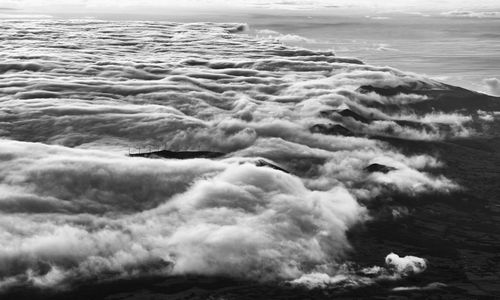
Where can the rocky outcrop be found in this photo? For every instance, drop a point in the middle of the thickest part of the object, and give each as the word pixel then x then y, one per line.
pixel 379 168
pixel 178 154
pixel 331 129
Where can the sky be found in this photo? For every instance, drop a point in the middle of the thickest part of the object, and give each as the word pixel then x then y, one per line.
pixel 150 6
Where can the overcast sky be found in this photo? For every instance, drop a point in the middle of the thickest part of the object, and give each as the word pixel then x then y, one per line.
pixel 157 6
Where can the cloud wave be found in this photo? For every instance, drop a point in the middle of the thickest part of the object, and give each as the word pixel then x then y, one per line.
pixel 75 207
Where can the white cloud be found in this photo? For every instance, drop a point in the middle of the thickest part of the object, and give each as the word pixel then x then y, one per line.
pixel 225 218
pixel 406 265
pixel 283 38
pixel 396 268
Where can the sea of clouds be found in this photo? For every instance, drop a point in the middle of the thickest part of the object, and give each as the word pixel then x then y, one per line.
pixel 77 94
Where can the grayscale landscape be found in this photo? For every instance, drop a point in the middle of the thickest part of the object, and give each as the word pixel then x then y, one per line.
pixel 249 150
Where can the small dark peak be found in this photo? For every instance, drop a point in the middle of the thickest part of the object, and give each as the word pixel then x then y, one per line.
pixel 195 62
pixel 344 112
pixel 222 65
pixel 291 53
pixel 241 72
pixel 331 129
pixel 154 263
pixel 420 126
pixel 327 113
pixel 178 154
pixel 265 163
pixel 449 98
pixel 33 67
pixel 349 113
pixel 379 168
pixel 37 94
pixel 239 28
pixel 386 91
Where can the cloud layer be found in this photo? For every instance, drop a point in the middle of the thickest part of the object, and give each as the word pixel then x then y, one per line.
pixel 77 214
pixel 76 94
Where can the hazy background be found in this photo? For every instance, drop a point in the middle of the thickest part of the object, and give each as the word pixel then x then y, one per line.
pixel 453 41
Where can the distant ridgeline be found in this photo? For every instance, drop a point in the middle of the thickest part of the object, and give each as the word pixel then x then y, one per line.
pixel 163 153
pixel 177 154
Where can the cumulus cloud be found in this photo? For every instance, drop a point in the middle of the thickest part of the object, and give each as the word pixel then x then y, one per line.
pixel 406 265
pixel 196 216
pixel 486 116
pixel 346 276
pixel 38 178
